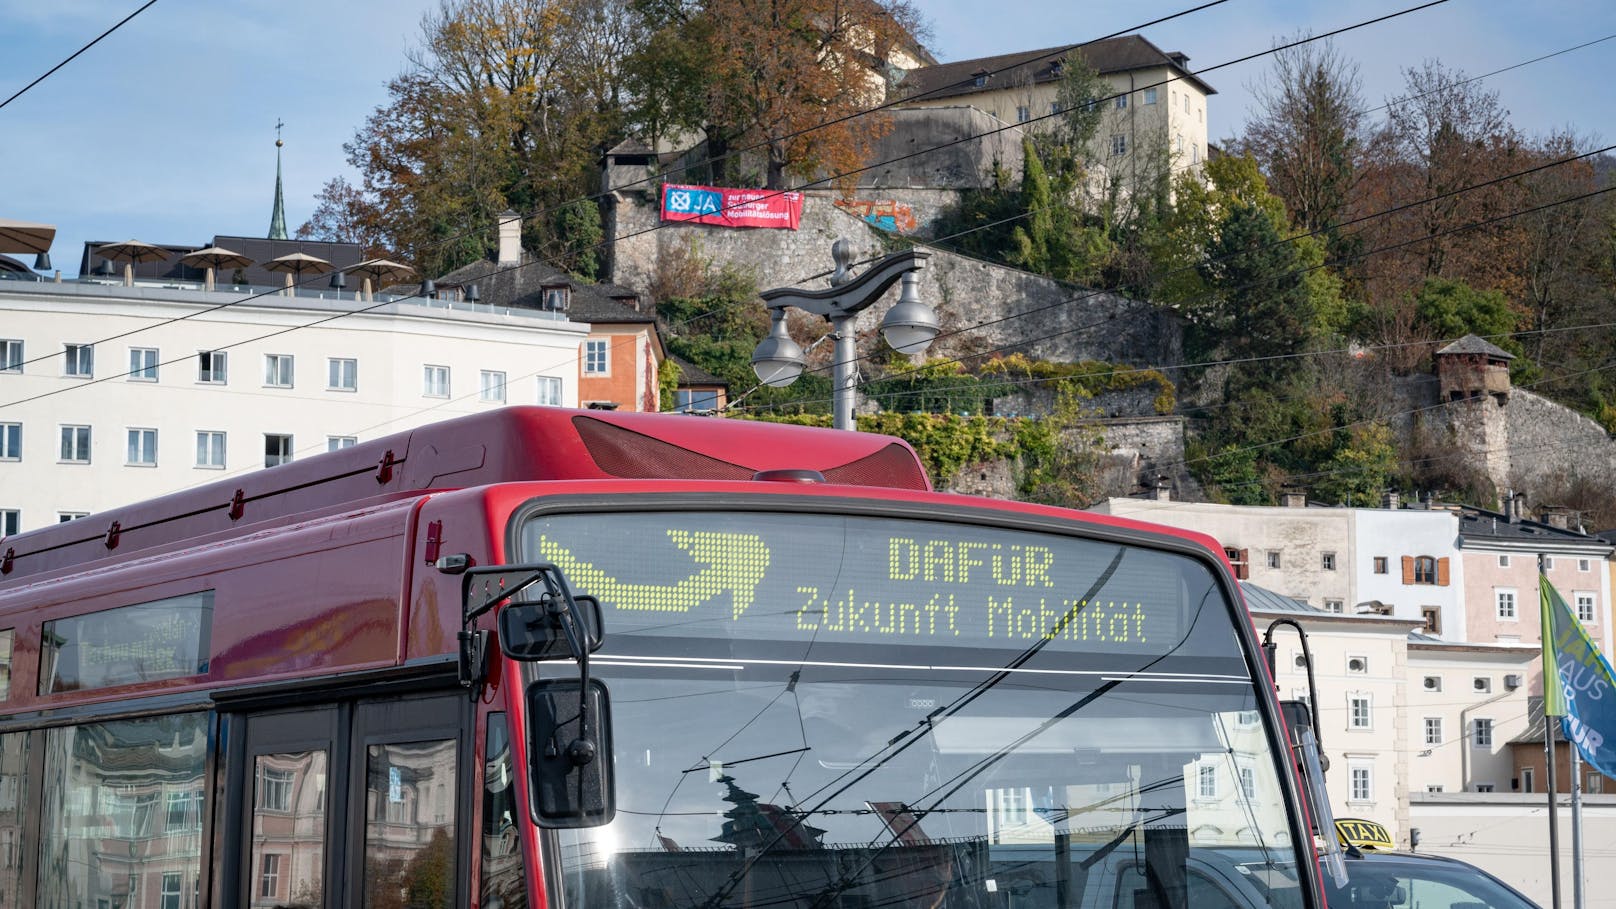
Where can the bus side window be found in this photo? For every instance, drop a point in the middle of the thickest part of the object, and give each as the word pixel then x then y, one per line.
pixel 14 841
pixel 502 883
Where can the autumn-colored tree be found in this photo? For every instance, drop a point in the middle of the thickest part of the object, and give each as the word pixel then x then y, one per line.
pixel 504 105
pixel 768 75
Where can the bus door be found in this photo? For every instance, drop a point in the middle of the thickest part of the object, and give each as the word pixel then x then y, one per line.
pixel 353 803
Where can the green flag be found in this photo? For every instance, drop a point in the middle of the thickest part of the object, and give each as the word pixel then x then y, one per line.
pixel 1554 702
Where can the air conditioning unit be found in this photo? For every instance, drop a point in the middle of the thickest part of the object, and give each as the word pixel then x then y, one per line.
pixel 1357 664
pixel 1433 683
pixel 1301 661
pixel 1483 684
pixel 1512 681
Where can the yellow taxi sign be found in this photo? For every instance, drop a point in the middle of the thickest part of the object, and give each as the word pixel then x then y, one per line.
pixel 1364 834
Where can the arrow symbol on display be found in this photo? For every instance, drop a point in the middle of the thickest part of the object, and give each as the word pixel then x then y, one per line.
pixel 732 563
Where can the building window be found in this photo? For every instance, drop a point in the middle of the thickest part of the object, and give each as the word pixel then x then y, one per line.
pixel 80 360
pixel 1273 558
pixel 76 444
pixel 1237 561
pixel 277 449
pixel 687 400
pixel 1526 780
pixel 142 364
pixel 1484 787
pixel 1548 563
pixel 170 897
pixel 1582 565
pixel 10 521
pixel 549 391
pixel 278 370
pixel 210 366
pixel 338 443
pixel 1186 102
pixel 1207 787
pixel 1503 561
pixel 1358 711
pixel 1150 96
pixel 1362 784
pixel 1585 607
pixel 1248 783
pixel 1023 113
pixel 342 374
pixel 596 361
pixel 1121 102
pixel 1425 570
pixel 435 381
pixel 1433 619
pixel 1435 787
pixel 491 385
pixel 1327 561
pixel 1119 145
pixel 1433 730
pixel 1335 606
pixel 10 441
pixel 210 449
pixel 142 447
pixel 1195 153
pixel 1380 564
pixel 10 355
pixel 269 880
pixel 62 517
pixel 556 298
pixel 1506 603
pixel 1484 733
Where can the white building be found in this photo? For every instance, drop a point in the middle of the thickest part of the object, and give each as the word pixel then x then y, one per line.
pixel 1342 560
pixel 112 394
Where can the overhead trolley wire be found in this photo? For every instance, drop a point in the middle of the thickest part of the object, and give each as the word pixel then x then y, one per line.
pixel 602 244
pixel 71 57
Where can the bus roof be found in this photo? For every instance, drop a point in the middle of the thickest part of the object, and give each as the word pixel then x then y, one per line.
pixel 508 444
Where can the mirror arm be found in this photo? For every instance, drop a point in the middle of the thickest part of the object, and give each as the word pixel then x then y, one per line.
pixel 580 751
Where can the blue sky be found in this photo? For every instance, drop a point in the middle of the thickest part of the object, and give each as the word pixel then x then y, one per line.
pixel 165 130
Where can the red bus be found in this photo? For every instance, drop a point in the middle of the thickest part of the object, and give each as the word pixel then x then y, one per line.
pixel 542 657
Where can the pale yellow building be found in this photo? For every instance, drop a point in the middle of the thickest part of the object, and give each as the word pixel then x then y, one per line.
pixel 1158 102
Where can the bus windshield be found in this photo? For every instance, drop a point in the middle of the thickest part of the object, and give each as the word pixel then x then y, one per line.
pixel 814 710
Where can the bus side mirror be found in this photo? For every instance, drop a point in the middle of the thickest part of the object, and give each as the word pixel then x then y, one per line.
pixel 571 759
pixel 1299 716
pixel 534 631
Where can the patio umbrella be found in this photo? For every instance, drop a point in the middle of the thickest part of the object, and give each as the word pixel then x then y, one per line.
pixel 379 270
pixel 25 236
pixel 131 252
pixel 296 264
pixel 214 258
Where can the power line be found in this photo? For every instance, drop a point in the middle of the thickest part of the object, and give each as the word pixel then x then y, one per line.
pixel 47 74
pixel 549 260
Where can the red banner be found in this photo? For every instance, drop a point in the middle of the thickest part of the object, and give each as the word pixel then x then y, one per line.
pixel 731 207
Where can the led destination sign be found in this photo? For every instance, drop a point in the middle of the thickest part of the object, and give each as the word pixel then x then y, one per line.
pixel 869 580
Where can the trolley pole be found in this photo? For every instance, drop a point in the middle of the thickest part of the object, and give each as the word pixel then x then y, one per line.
pixel 1550 723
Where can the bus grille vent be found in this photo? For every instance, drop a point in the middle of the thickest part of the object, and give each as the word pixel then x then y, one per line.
pixel 630 455
pixel 891 466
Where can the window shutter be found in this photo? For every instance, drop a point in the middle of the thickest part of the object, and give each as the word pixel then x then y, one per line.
pixel 1243 570
pixel 1408 569
pixel 1442 572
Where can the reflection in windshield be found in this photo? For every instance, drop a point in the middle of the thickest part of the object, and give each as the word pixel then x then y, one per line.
pixel 1400 884
pixel 760 771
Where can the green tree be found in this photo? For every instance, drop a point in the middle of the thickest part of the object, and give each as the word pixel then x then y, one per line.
pixel 1258 303
pixel 1362 468
pixel 1447 310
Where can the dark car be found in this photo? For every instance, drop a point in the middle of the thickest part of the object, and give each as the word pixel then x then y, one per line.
pixel 1404 880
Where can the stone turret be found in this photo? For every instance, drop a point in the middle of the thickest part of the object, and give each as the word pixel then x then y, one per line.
pixel 1471 367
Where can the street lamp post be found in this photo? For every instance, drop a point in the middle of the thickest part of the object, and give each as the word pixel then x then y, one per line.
pixel 909 326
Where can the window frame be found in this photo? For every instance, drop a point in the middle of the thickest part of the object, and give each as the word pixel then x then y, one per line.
pixel 1433 730
pixel 213 367
pixel 138 371
pixel 1366 721
pixel 1579 598
pixel 286 454
pixel 10 441
pixel 1206 782
pixel 1426 570
pixel 1365 773
pixel 338 443
pixel 339 368
pixel 433 376
pixel 1499 595
pixel 81 366
pixel 1479 725
pixel 132 450
pixel 492 392
pixel 223 449
pixel 1150 96
pixel 11 363
pixel 1382 565
pixel 79 457
pixel 10 521
pixel 597 349
pixel 1119 145
pixel 273 377
pixel 1327 561
pixel 1274 559
pixel 552 382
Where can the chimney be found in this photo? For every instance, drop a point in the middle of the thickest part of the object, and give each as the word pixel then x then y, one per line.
pixel 1161 489
pixel 1558 517
pixel 1293 498
pixel 1391 501
pixel 510 239
pixel 1517 507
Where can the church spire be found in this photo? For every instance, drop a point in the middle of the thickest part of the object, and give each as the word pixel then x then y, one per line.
pixel 277 219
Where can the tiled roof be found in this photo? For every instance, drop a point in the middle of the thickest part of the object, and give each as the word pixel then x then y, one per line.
pixel 523 288
pixel 1471 344
pixel 1481 524
pixel 1533 734
pixel 1113 55
pixel 691 374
